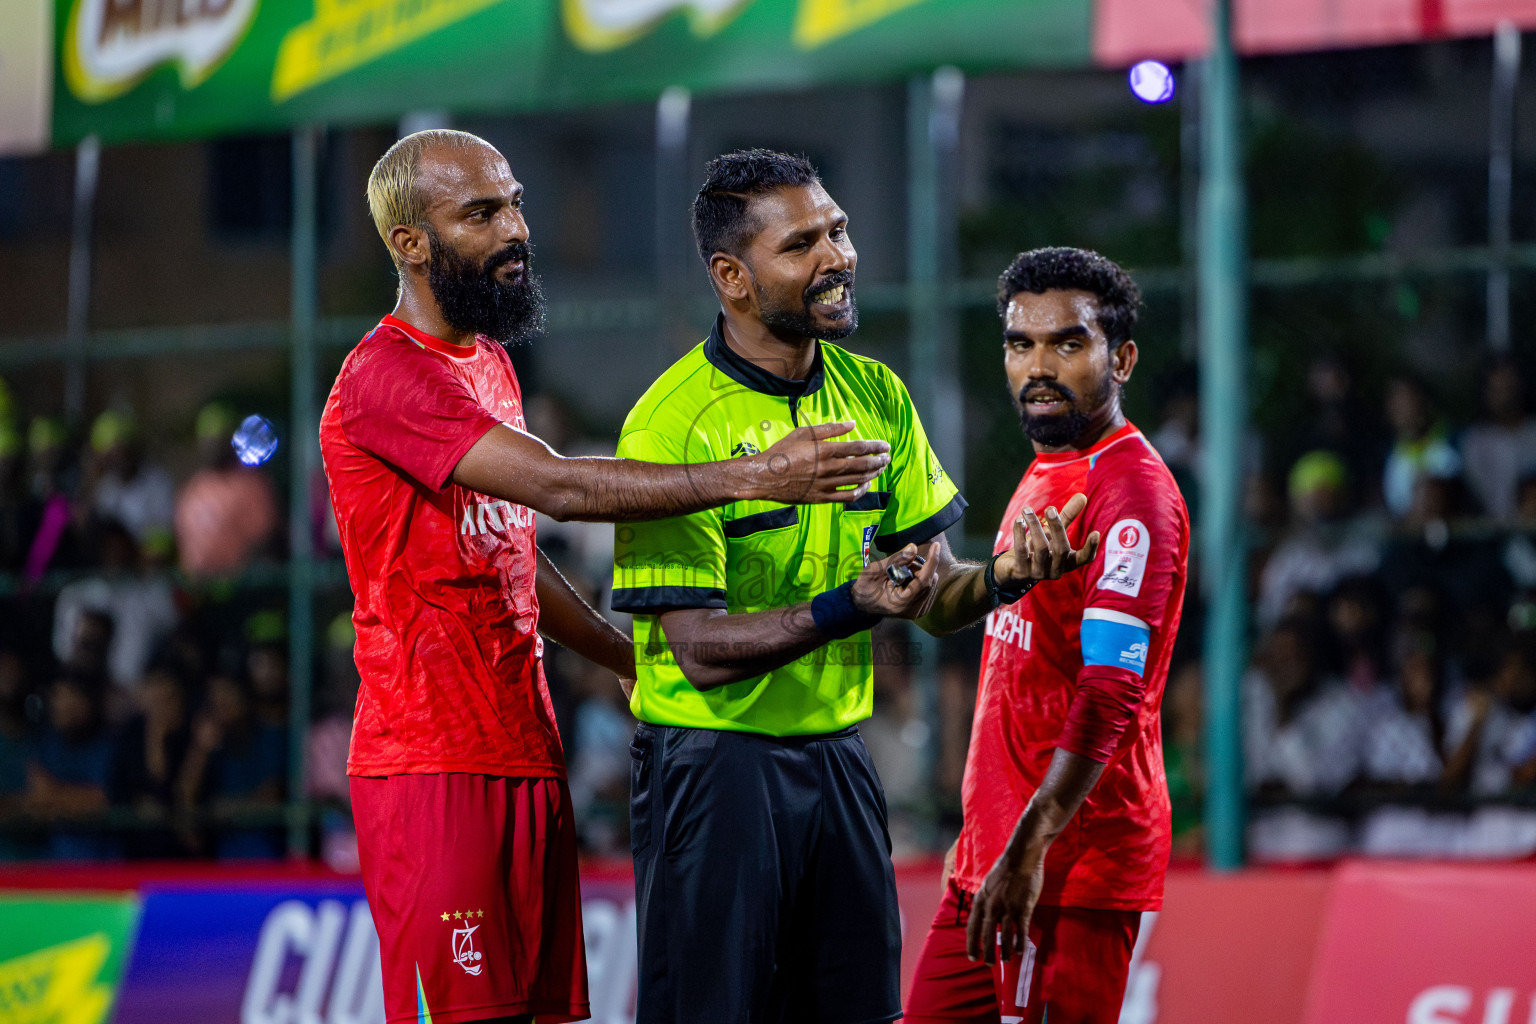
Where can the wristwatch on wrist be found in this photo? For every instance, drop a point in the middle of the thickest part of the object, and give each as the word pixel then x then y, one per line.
pixel 1000 594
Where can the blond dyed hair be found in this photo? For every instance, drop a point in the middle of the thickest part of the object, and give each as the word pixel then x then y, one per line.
pixel 393 198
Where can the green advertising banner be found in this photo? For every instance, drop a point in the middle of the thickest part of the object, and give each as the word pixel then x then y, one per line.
pixel 61 957
pixel 146 69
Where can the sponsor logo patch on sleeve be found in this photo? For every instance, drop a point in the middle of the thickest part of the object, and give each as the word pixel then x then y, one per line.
pixel 1125 557
pixel 1115 639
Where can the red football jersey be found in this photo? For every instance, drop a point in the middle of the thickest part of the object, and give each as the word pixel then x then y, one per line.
pixel 443 578
pixel 1115 618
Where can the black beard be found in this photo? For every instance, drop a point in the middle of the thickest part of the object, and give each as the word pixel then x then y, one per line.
pixel 473 301
pixel 796 320
pixel 1063 429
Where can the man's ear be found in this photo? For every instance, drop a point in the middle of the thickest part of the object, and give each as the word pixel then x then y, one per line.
pixel 730 276
pixel 1123 360
pixel 410 244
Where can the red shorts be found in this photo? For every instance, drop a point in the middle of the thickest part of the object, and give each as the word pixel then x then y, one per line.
pixel 473 886
pixel 1081 958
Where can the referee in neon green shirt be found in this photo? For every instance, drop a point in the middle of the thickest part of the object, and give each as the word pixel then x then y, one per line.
pixel 762 859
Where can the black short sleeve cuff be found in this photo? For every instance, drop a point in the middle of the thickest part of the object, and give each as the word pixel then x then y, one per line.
pixel 926 530
pixel 655 600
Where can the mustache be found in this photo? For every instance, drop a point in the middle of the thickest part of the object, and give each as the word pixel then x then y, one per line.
pixel 844 277
pixel 516 251
pixel 1061 391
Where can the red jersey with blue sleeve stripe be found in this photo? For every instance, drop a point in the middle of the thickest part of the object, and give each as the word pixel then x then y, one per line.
pixel 1080 663
pixel 443 577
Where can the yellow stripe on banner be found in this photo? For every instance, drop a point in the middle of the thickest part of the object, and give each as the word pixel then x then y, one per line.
pixel 599 26
pixel 345 34
pixel 818 22
pixel 58 985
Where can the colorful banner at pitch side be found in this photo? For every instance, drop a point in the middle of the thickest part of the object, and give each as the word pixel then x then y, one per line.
pixel 61 957
pixel 160 69
pixel 147 69
pixel 1367 943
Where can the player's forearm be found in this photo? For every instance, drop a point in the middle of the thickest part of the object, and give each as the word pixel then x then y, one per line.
pixel 962 599
pixel 592 489
pixel 623 490
pixel 1068 781
pixel 802 468
pixel 714 648
pixel 569 621
pixel 518 467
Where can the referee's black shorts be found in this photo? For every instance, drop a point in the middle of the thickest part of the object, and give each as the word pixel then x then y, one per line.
pixel 763 880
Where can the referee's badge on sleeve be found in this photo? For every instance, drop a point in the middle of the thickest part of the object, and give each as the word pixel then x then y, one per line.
pixel 1125 557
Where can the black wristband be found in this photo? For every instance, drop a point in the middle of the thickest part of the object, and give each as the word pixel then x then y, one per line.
pixel 837 617
pixel 1000 594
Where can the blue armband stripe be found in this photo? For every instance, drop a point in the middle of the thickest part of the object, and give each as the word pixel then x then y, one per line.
pixel 1116 642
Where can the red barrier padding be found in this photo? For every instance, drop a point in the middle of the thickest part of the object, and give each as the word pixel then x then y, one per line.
pixel 1427 944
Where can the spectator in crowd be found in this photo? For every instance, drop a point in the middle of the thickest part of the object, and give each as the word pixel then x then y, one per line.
pixel 1492 732
pixel 1303 728
pixel 1492 726
pixel 1404 758
pixel 1321 547
pixel 148 758
pixel 126 487
pixel 1303 733
pixel 1421 444
pixel 237 765
pixel 1406 733
pixel 1500 448
pixel 1427 552
pixel 89 645
pixel 1337 420
pixel 1358 633
pixel 70 769
pixel 266 666
pixel 141 606
pixel 226 514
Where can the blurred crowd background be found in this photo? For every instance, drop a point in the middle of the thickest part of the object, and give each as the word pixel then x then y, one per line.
pixel 1389 707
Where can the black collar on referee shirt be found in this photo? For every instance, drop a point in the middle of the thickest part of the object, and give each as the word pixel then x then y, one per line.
pixel 745 372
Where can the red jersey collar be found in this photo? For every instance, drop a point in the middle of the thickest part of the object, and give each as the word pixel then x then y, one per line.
pixel 427 341
pixel 1056 458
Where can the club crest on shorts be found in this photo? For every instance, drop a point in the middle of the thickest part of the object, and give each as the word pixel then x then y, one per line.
pixel 869 538
pixel 463 942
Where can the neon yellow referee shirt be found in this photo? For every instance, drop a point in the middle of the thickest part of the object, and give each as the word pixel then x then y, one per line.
pixel 754 555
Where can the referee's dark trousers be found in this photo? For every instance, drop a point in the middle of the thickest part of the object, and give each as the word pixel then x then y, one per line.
pixel 763 879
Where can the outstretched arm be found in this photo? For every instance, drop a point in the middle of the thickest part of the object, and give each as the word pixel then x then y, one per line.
pixel 1007 898
pixel 1041 551
pixel 575 625
pixel 806 467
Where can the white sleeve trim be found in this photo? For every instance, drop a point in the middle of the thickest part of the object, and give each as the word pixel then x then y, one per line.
pixel 1109 615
